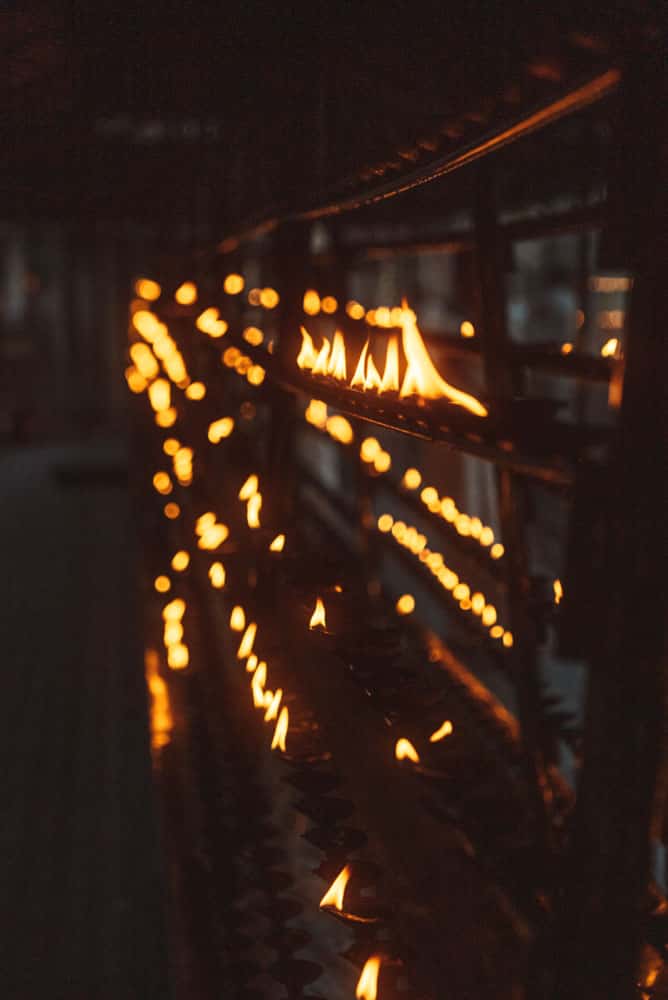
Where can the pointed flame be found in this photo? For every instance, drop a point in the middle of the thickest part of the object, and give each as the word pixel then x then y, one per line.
pixel 307 355
pixel 281 731
pixel 274 704
pixel 249 488
pixel 367 985
pixel 253 508
pixel 318 616
pixel 258 683
pixel 421 376
pixel 358 378
pixel 334 895
pixel 405 750
pixel 278 544
pixel 320 366
pixel 337 359
pixel 390 380
pixel 247 640
pixel 441 732
pixel 372 380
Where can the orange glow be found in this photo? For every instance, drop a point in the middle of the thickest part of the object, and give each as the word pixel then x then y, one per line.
pixel 178 656
pixel 253 508
pixel 172 633
pixel 496 550
pixel 429 495
pixel 249 488
pixel 146 324
pixel 171 446
pixel 385 522
pixel 441 732
pixel 322 358
pixel 161 715
pixel 253 336
pixel 467 329
pixel 421 376
pixel 210 322
pixel 355 310
pixel 318 617
pixel 135 380
pixel 220 429
pixel 316 413
pixel 558 591
pixel 486 536
pixel 337 359
pixel 180 561
pixel 369 449
pixel 412 479
pixel 311 302
pixel 382 462
pixel 166 418
pixel 204 521
pixel 217 575
pixel 233 284
pixel 269 298
pixel 478 603
pixel 609 349
pixel 237 619
pixel 359 376
pixel 404 750
pixel 159 395
pixel 251 663
pixel 488 615
pixel 307 355
pixel 281 731
pixel 171 511
pixel 273 706
pixel 162 584
pixel 566 347
pixel 372 380
pixel 254 296
pixel 246 645
pixel 257 684
pixel 367 985
pixel 147 289
pixel 212 537
pixel 162 483
pixel 329 304
pixel 278 544
pixel 174 611
pixel 507 639
pixel 186 293
pixel 339 428
pixel 390 379
pixel 496 631
pixel 144 360
pixel 334 895
pixel 405 605
pixel 255 375
pixel 230 356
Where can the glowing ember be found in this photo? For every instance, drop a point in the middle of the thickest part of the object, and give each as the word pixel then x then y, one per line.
pixel 367 985
pixel 558 591
pixel 237 619
pixel 337 359
pixel 249 488
pixel 404 750
pixel 281 731
pixel 318 616
pixel 278 544
pixel 246 644
pixel 334 895
pixel 390 379
pixel 566 347
pixel 253 508
pixel 273 706
pixel 172 511
pixel 467 329
pixel 441 732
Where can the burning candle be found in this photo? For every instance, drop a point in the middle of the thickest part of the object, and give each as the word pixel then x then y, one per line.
pixel 441 732
pixel 334 895
pixel 367 985
pixel 318 619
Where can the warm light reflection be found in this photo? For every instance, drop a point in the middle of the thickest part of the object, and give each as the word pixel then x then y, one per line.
pixel 237 619
pixel 233 284
pixel 405 605
pixel 336 366
pixel 180 561
pixel 251 663
pixel 160 711
pixel 162 584
pixel 441 732
pixel 369 449
pixel 147 289
pixel 209 322
pixel 609 349
pixel 253 508
pixel 273 706
pixel 269 298
pixel 382 462
pixel 334 895
pixel 316 414
pixel 355 310
pixel 220 429
pixel 404 750
pixel 249 488
pixel 186 293
pixel 318 617
pixel 412 479
pixel 467 329
pixel 174 611
pixel 196 390
pixel 385 522
pixel 339 428
pixel 172 633
pixel 246 645
pixel 367 984
pixel 359 376
pixel 204 521
pixel 135 380
pixel 281 731
pixel 254 296
pixel 255 375
pixel 217 575
pixel 278 544
pixel 558 591
pixel 166 418
pixel 567 347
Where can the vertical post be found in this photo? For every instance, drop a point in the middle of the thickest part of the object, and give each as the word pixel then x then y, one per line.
pixel 618 795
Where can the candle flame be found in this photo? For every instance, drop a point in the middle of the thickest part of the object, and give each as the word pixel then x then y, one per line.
pixel 217 575
pixel 253 508
pixel 320 364
pixel 405 750
pixel 273 706
pixel 251 663
pixel 367 985
pixel 337 359
pixel 359 378
pixel 372 380
pixel 237 619
pixel 558 591
pixel 307 355
pixel 608 350
pixel 249 488
pixel 334 895
pixel 278 544
pixel 281 731
pixel 318 616
pixel 258 683
pixel 441 732
pixel 246 644
pixel 390 380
